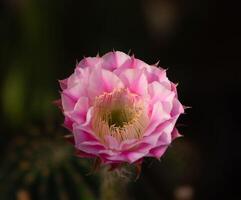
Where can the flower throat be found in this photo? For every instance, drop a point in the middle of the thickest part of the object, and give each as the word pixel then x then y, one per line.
pixel 120 115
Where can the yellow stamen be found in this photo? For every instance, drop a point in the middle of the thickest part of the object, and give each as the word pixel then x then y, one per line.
pixel 119 114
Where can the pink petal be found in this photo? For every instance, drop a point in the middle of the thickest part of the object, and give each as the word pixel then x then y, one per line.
pixel 76 91
pixel 72 80
pixel 112 142
pixel 128 144
pixel 81 136
pixel 174 88
pixel 167 106
pixel 131 157
pixel 154 73
pixel 101 81
pixel 80 110
pixel 135 81
pixel 113 60
pixel 63 83
pixel 83 73
pixel 86 142
pixel 177 108
pixel 90 62
pixel 82 106
pixel 90 149
pixel 68 123
pixel 135 63
pixel 175 134
pixel 158 151
pixel 89 114
pixel 158 92
pixel 68 103
pixel 158 116
pixel 165 138
pixel 156 134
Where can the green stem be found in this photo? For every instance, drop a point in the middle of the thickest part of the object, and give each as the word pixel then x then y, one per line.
pixel 114 184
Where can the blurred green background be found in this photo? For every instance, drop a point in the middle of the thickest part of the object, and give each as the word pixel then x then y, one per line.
pixel 198 42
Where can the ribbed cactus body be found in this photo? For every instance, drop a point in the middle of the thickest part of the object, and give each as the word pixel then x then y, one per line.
pixel 42 165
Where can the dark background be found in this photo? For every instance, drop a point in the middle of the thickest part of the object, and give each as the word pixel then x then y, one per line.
pixel 198 41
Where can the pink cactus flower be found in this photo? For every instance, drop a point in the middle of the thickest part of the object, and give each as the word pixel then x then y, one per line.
pixel 120 109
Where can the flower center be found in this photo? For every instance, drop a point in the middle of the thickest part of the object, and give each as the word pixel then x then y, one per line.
pixel 119 114
pixel 118 117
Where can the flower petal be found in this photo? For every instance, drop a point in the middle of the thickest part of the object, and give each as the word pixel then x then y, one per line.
pixel 86 142
pixel 135 81
pixel 177 108
pixel 63 83
pixel 158 92
pixel 80 110
pixel 101 81
pixel 90 62
pixel 68 103
pixel 158 151
pixel 115 59
pixel 155 73
pixel 175 134
pixel 76 91
pixel 158 116
pixel 131 157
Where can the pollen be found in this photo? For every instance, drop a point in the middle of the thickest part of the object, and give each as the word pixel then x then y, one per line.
pixel 119 114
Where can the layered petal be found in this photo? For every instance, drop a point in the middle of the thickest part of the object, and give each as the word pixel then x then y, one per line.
pixel 78 114
pixel 135 80
pixel 120 109
pixel 101 81
pixel 115 59
pixel 90 62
